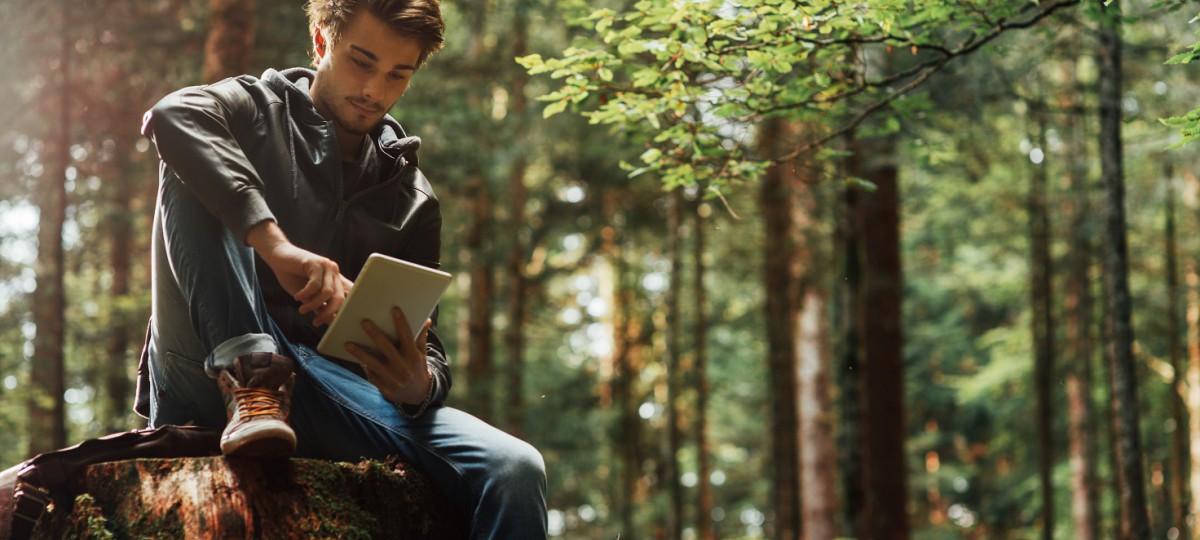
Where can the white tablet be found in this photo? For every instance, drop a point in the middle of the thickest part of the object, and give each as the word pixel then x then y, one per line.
pixel 383 283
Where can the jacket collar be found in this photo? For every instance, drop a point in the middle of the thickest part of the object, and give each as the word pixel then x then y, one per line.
pixel 291 85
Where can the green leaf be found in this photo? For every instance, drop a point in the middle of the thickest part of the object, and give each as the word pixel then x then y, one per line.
pixel 554 108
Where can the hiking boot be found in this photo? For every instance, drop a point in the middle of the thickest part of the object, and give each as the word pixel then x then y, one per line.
pixel 258 392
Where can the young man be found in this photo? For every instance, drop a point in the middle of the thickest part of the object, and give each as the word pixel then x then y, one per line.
pixel 273 192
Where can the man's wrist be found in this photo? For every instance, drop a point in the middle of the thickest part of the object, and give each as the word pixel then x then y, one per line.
pixel 412 411
pixel 265 237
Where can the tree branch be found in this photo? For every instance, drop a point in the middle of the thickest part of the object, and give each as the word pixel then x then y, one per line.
pixel 922 73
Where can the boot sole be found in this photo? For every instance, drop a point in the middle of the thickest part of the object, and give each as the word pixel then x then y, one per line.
pixel 268 441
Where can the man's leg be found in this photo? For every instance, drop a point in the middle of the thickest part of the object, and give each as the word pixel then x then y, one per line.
pixel 209 317
pixel 497 480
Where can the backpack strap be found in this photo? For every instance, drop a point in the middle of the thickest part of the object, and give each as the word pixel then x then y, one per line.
pixel 29 503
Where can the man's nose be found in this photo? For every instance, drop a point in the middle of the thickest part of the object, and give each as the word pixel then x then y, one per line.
pixel 373 90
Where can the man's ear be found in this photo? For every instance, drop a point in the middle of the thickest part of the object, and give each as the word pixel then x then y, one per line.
pixel 319 43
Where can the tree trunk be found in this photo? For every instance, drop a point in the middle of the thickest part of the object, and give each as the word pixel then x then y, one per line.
pixel 514 335
pixel 1193 388
pixel 850 438
pixel 674 435
pixel 704 501
pixel 230 39
pixel 47 415
pixel 1178 506
pixel 1123 372
pixel 1080 335
pixel 817 455
pixel 244 498
pixel 117 377
pixel 1043 322
pixel 881 327
pixel 479 319
pixel 775 202
pixel 627 431
pixel 818 466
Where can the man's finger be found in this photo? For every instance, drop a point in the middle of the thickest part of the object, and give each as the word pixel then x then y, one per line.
pixel 403 333
pixel 382 342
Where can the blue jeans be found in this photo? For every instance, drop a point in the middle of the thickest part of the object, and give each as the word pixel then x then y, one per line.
pixel 208 309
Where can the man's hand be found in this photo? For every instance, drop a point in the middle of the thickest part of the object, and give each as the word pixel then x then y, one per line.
pixel 311 279
pixel 396 368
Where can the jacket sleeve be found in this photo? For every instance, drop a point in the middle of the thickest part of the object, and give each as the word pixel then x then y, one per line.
pixel 193 130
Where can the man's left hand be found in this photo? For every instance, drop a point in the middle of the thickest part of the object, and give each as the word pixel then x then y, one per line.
pixel 397 368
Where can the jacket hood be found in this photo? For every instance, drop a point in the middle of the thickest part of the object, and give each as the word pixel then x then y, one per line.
pixel 292 86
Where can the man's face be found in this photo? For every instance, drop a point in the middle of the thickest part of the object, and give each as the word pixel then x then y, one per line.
pixel 363 74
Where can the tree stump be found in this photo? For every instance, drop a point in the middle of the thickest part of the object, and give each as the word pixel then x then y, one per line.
pixel 246 498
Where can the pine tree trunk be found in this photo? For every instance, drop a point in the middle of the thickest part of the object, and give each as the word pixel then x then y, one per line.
pixel 514 334
pixel 1123 373
pixel 1080 332
pixel 881 326
pixel 775 203
pixel 627 430
pixel 117 376
pixel 47 415
pixel 1178 506
pixel 231 498
pixel 1043 323
pixel 851 462
pixel 818 467
pixel 817 454
pixel 1193 388
pixel 673 375
pixel 704 494
pixel 479 319
pixel 230 39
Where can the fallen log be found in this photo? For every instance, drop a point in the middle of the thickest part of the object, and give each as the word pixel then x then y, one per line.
pixel 215 497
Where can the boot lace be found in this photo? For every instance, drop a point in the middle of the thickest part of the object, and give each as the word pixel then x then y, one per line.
pixel 253 402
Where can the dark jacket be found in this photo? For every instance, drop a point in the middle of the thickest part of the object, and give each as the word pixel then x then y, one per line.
pixel 254 149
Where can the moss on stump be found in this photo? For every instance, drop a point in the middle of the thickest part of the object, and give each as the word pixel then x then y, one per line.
pixel 246 498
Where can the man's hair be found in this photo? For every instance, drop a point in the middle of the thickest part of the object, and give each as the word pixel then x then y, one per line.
pixel 419 20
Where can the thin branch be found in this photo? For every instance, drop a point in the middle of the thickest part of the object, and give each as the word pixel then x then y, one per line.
pixel 929 68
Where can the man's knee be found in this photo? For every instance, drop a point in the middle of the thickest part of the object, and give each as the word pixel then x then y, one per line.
pixel 520 463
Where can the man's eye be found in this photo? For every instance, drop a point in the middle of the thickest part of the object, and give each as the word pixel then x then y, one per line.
pixel 396 76
pixel 360 63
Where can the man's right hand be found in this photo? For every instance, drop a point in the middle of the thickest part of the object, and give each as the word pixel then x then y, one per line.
pixel 313 280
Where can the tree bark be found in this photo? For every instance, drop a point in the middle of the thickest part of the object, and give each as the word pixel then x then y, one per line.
pixel 243 498
pixel 479 319
pixel 1043 322
pixel 850 438
pixel 117 376
pixel 1193 387
pixel 627 431
pixel 817 455
pixel 514 335
pixel 775 203
pixel 704 502
pixel 818 461
pixel 1080 332
pixel 674 435
pixel 230 39
pixel 881 327
pixel 1178 506
pixel 1122 372
pixel 47 414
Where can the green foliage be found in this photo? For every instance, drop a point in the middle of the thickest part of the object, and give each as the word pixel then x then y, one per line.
pixel 690 80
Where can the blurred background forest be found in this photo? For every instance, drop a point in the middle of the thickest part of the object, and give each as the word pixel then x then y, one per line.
pixel 740 269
